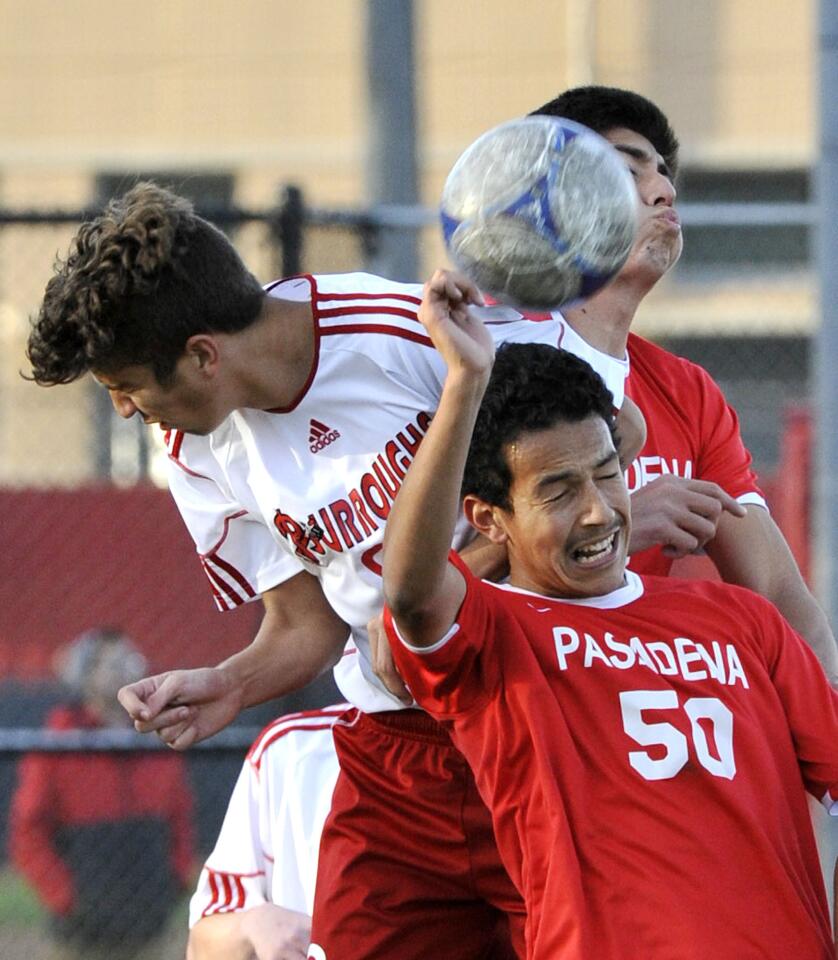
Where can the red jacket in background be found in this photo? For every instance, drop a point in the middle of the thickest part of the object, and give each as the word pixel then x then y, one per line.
pixel 91 831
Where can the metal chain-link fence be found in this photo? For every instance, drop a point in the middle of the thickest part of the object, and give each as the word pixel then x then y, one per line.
pixel 91 541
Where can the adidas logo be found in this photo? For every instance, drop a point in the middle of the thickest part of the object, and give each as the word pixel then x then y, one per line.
pixel 319 435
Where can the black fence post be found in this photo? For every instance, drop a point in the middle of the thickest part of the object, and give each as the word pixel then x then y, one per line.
pixel 289 230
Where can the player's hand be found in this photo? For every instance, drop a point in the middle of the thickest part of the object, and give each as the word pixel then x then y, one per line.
pixel 457 333
pixel 182 706
pixel 382 661
pixel 276 933
pixel 680 514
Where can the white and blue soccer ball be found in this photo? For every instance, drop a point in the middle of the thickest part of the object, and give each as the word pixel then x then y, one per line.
pixel 539 212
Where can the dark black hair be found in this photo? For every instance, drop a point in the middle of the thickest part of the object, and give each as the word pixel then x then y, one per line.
pixel 138 282
pixel 605 108
pixel 532 387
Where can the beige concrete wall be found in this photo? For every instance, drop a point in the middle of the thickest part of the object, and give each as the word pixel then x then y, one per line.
pixel 273 84
pixel 273 91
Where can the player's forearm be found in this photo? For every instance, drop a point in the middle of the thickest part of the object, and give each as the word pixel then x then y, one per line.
pixel 282 659
pixel 753 553
pixel 805 614
pixel 421 523
pixel 220 937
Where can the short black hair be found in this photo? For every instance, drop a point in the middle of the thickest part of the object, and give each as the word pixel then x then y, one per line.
pixel 605 108
pixel 532 387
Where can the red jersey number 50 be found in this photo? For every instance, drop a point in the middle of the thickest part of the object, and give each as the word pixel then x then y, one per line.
pixel 637 707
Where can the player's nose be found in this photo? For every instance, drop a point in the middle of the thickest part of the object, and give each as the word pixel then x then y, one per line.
pixel 123 404
pixel 597 510
pixel 662 191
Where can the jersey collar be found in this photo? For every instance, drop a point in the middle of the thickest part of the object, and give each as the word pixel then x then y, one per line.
pixel 630 591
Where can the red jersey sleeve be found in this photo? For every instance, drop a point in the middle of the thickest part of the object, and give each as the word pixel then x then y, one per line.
pixel 458 673
pixel 723 457
pixel 809 702
pixel 692 430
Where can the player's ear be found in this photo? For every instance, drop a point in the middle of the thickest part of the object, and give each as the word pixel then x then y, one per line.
pixel 203 351
pixel 485 518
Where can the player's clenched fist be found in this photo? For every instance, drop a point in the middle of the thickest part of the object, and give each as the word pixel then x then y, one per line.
pixel 182 706
pixel 457 333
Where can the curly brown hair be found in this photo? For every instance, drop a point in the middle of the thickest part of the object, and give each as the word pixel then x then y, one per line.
pixel 139 280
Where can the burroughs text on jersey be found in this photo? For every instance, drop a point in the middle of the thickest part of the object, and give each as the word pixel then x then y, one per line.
pixel 348 521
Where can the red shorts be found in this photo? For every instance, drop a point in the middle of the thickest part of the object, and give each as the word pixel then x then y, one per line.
pixel 408 867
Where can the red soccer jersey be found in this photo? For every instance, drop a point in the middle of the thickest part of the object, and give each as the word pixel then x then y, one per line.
pixel 692 433
pixel 644 756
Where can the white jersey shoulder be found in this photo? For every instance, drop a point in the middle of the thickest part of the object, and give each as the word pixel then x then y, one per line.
pixel 267 849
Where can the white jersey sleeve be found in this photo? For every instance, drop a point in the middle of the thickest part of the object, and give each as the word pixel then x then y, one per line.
pixel 268 846
pixel 235 548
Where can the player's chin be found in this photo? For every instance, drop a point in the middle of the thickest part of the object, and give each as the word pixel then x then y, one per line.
pixel 194 429
pixel 657 256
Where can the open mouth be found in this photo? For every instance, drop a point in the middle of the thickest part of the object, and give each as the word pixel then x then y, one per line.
pixel 599 552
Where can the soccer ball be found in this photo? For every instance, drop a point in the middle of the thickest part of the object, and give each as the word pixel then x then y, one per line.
pixel 539 212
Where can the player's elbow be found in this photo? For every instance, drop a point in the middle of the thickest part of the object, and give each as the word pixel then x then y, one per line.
pixel 315 664
pixel 409 609
pixel 332 657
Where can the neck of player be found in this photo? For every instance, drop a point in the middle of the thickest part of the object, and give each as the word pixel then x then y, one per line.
pixel 605 319
pixel 273 358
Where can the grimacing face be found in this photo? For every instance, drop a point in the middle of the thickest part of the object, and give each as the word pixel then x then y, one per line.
pixel 568 530
pixel 189 402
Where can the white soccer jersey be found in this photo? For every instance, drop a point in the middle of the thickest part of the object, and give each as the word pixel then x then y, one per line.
pixel 309 487
pixel 268 846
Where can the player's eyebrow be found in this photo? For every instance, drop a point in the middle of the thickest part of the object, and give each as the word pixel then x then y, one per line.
pixel 121 386
pixel 563 476
pixel 636 153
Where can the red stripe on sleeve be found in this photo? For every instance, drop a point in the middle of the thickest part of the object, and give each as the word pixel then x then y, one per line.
pixel 228 892
pixel 239 577
pixel 225 592
pixel 213 884
pixel 376 312
pixel 369 296
pixel 376 328
pixel 240 898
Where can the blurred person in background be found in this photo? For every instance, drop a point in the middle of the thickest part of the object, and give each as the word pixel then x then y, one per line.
pixel 255 893
pixel 104 838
